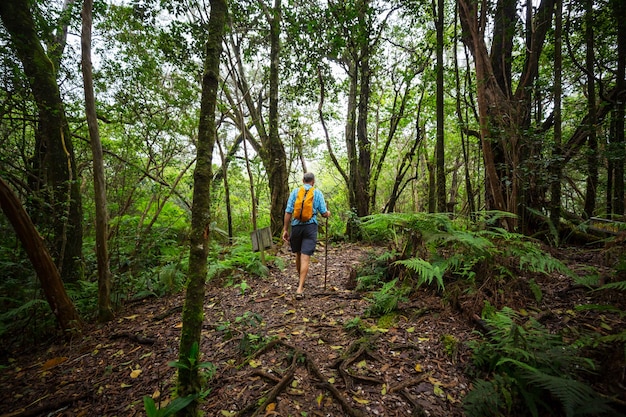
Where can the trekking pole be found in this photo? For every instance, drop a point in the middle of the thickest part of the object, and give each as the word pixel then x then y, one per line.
pixel 326 255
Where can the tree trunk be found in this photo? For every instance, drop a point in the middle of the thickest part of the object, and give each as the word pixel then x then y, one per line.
pixel 362 174
pixel 438 12
pixel 105 312
pixel 276 160
pixel 502 117
pixel 189 382
pixel 229 215
pixel 592 141
pixel 63 197
pixel 48 274
pixel 556 164
pixel 619 10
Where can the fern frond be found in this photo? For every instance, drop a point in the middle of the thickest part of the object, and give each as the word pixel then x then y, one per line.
pixel 426 271
pixel 575 397
pixel 620 286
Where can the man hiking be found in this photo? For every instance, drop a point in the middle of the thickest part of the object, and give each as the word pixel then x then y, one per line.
pixel 301 213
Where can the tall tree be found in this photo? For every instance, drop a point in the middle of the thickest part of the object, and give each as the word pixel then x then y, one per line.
pixel 617 139
pixel 267 142
pixel 105 312
pixel 503 113
pixel 193 311
pixel 592 140
pixel 62 194
pixel 438 12
pixel 557 164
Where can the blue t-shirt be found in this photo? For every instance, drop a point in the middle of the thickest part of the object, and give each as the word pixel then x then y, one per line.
pixel 319 205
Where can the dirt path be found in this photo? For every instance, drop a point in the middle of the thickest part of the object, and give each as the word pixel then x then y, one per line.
pixel 325 357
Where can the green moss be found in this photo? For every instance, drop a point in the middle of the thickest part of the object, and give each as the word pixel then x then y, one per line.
pixel 387 321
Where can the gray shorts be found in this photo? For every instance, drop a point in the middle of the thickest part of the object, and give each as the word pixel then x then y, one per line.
pixel 303 238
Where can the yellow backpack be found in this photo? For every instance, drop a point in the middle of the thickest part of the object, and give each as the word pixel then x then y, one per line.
pixel 303 208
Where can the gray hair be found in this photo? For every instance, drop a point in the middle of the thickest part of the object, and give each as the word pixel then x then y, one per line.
pixel 308 177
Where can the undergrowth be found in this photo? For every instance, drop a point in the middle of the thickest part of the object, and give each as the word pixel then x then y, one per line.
pixel 433 250
pixel 524 370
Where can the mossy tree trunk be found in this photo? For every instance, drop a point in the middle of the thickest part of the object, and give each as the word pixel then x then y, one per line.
pixel 193 312
pixel 64 215
pixel 51 284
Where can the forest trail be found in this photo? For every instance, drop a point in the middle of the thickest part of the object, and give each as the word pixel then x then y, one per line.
pixel 317 363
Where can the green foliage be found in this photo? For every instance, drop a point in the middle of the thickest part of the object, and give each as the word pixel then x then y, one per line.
pixel 536 290
pixel 372 270
pixel 426 271
pixel 354 325
pixel 435 248
pixel 531 370
pixel 170 409
pixel 385 300
pixel 236 261
pixel 243 286
pixel 179 403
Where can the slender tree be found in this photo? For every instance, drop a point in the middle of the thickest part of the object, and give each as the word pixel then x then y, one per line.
pixel 438 11
pixel 619 157
pixel 47 272
pixel 557 165
pixel 592 140
pixel 105 312
pixel 193 315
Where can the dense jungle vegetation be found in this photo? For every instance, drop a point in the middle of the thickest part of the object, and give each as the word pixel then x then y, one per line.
pixel 474 151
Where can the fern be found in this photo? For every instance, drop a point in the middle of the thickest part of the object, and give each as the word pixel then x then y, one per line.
pixel 576 398
pixel 385 300
pixel 426 271
pixel 619 286
pixel 537 367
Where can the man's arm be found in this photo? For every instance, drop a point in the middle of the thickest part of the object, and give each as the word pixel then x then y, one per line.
pixel 286 222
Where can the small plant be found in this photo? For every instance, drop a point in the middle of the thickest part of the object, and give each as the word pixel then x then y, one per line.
pixel 450 345
pixel 354 325
pixel 385 300
pixel 179 403
pixel 243 286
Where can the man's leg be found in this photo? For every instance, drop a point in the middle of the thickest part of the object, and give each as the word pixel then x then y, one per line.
pixel 302 264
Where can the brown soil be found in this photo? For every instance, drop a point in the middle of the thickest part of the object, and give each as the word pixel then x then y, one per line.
pixel 413 364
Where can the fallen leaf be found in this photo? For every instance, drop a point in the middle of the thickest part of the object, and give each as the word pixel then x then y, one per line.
pixel 254 363
pixel 51 363
pixel 418 367
pixel 319 399
pixel 360 400
pixel 384 390
pixel 227 413
pixel 410 330
pixel 133 317
pixel 270 407
pixel 135 373
pixel 438 391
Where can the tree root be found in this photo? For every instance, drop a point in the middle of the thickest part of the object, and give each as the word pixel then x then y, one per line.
pixel 283 382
